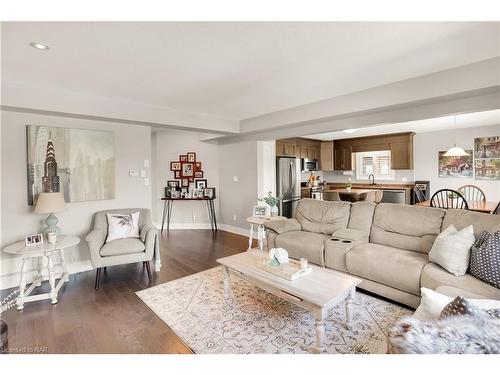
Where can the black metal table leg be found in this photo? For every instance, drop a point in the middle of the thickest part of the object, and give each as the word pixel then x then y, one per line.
pixel 210 217
pixel 169 214
pixel 214 214
pixel 163 217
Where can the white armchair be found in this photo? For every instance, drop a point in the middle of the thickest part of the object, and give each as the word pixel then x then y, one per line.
pixel 123 251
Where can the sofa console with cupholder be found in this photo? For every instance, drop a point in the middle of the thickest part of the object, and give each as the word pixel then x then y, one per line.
pixel 386 245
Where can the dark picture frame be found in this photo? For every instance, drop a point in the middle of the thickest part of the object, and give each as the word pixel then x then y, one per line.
pixel 200 184
pixel 197 166
pixel 209 192
pixel 183 158
pixel 185 182
pixel 187 167
pixel 175 165
pixel 191 157
pixel 198 174
pixel 173 183
pixel 177 174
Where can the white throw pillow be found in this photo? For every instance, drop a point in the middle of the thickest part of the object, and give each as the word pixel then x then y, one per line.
pixel 432 303
pixel 123 226
pixel 451 249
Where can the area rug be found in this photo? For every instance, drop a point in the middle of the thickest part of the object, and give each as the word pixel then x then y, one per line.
pixel 255 321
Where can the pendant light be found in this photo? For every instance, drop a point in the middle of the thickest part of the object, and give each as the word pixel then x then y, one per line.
pixel 455 151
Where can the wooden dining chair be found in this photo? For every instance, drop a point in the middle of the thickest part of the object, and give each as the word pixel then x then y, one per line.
pixel 497 210
pixel 472 193
pixel 447 198
pixel 419 195
pixel 331 196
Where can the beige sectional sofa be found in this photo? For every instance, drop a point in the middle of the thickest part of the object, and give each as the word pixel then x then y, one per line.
pixel 386 245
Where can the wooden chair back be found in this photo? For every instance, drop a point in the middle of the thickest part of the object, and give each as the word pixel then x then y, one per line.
pixel 472 193
pixel 497 210
pixel 419 195
pixel 331 196
pixel 447 198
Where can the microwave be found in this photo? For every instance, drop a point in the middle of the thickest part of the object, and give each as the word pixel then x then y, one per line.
pixel 309 165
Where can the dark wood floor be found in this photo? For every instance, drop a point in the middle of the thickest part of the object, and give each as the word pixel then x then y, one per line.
pixel 113 319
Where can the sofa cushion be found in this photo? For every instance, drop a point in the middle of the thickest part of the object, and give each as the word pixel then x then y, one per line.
pixel 480 221
pixel 406 227
pixel 393 267
pixel 322 216
pixel 301 244
pixel 335 250
pixel 433 276
pixel 351 234
pixel 361 217
pixel 122 246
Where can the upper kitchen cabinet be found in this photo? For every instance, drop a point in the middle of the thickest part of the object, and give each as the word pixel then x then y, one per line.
pixel 285 147
pixel 326 156
pixel 400 145
pixel 298 148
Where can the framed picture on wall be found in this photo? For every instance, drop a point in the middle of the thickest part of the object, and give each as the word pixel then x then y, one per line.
pixel 177 174
pixel 200 184
pixel 197 166
pixel 187 170
pixel 183 158
pixel 175 166
pixel 456 167
pixel 197 193
pixel 185 182
pixel 172 183
pixel 191 157
pixel 198 174
pixel 209 192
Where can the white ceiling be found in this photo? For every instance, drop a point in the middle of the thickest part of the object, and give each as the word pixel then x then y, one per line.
pixel 239 70
pixel 468 120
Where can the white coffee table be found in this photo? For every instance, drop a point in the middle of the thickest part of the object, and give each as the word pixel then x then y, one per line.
pixel 40 251
pixel 261 230
pixel 317 292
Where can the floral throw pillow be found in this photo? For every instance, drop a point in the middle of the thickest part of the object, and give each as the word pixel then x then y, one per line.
pixel 123 226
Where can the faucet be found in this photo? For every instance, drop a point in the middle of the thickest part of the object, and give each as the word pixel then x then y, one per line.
pixel 371 177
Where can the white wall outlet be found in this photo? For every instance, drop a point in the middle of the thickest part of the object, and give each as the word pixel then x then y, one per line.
pixel 146 163
pixel 143 173
pixel 133 173
pixel 146 182
pixel 235 217
pixel 236 178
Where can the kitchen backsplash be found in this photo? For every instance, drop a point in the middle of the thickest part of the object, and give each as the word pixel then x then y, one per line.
pixel 338 176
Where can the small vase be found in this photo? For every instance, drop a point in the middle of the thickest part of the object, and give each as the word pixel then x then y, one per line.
pixel 274 211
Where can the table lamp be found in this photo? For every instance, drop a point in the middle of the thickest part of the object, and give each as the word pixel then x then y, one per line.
pixel 49 203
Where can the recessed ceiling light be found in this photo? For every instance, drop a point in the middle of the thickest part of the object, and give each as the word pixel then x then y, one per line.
pixel 41 46
pixel 349 131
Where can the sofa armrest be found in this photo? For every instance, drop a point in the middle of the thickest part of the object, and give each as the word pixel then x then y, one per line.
pixel 145 230
pixel 283 226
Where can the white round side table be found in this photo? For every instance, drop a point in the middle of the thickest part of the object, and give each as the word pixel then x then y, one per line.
pixel 44 250
pixel 261 230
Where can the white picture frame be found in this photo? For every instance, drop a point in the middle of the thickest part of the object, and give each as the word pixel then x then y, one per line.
pixel 260 211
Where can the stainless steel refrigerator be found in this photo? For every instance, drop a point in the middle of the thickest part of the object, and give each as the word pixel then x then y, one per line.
pixel 288 184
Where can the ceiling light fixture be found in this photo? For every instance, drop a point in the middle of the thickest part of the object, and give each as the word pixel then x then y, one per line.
pixel 350 131
pixel 40 46
pixel 455 151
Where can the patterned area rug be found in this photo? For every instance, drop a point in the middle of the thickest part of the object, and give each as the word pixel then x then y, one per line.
pixel 255 321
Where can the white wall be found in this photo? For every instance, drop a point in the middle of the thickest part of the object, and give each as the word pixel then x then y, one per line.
pixel 167 146
pixel 427 146
pixel 237 198
pixel 132 147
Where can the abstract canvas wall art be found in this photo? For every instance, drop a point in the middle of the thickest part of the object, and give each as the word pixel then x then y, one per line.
pixel 77 162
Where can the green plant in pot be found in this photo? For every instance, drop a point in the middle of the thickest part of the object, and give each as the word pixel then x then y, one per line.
pixel 272 201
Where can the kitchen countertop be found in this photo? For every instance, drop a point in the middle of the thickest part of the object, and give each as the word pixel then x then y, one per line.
pixel 405 186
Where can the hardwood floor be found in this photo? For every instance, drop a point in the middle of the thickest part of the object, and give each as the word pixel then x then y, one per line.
pixel 113 319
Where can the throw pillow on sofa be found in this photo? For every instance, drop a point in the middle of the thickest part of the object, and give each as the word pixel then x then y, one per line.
pixel 432 303
pixel 485 258
pixel 451 249
pixel 460 306
pixel 123 226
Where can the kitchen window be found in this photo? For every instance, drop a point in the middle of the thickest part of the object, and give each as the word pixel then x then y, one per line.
pixel 377 163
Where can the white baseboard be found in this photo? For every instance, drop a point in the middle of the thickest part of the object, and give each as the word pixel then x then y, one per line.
pixel 11 280
pixel 225 227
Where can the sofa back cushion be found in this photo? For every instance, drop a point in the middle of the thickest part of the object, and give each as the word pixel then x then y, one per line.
pixel 463 218
pixel 322 216
pixel 361 217
pixel 406 227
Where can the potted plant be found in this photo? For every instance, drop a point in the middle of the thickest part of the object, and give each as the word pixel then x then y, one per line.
pixel 272 201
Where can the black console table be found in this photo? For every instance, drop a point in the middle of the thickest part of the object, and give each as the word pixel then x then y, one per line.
pixel 169 203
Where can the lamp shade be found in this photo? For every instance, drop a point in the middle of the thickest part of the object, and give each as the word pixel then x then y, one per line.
pixel 456 151
pixel 48 203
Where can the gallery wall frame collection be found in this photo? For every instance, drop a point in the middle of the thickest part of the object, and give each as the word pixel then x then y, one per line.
pixel 188 170
pixel 482 163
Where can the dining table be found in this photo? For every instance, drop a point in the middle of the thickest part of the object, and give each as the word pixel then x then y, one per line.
pixel 479 206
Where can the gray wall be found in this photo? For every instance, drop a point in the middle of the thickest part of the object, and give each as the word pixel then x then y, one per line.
pixel 132 147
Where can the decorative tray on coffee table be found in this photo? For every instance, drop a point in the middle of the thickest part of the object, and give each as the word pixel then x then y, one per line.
pixel 289 271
